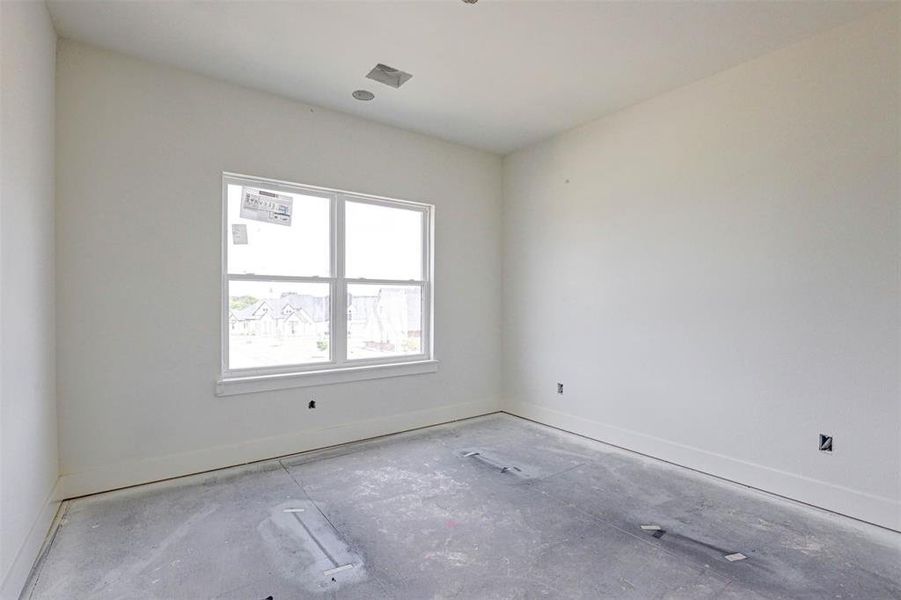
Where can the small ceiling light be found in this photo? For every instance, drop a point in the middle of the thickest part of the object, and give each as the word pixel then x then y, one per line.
pixel 470 1
pixel 364 95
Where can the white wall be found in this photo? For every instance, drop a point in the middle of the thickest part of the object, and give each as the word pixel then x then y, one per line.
pixel 714 274
pixel 141 149
pixel 28 428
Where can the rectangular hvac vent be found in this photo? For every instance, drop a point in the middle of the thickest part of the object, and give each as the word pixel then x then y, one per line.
pixel 388 75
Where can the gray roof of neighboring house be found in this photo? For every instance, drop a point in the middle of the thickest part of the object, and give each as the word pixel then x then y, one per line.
pixel 317 307
pixel 246 313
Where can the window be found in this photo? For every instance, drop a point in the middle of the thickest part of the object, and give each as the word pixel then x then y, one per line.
pixel 321 281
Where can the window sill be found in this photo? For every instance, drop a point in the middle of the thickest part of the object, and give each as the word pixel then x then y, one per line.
pixel 264 383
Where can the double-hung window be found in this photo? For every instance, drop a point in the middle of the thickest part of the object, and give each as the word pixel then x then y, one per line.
pixel 322 285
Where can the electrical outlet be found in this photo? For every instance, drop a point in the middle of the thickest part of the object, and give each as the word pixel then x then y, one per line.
pixel 825 443
pixel 560 388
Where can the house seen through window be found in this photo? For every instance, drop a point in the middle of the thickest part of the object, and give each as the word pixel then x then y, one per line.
pixel 319 279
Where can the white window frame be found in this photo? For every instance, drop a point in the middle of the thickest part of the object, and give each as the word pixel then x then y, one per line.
pixel 338 368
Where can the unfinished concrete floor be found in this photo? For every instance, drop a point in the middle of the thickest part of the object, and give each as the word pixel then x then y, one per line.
pixel 493 507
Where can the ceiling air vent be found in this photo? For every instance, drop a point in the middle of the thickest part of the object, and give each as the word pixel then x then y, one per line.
pixel 388 75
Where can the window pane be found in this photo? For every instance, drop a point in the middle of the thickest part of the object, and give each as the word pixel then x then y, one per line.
pixel 274 323
pixel 383 321
pixel 382 242
pixel 262 240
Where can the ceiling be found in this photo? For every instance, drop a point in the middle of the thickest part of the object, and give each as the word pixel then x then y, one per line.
pixel 495 75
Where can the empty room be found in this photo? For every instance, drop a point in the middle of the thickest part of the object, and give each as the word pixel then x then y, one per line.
pixel 434 299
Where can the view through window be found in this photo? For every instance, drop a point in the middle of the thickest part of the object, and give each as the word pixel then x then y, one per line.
pixel 294 254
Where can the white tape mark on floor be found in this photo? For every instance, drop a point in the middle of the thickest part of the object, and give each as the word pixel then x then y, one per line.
pixel 329 572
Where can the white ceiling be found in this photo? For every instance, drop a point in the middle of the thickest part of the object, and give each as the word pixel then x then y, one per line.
pixel 496 75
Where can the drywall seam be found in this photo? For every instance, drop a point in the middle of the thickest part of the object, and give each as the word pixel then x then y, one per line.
pixel 877 510
pixel 129 473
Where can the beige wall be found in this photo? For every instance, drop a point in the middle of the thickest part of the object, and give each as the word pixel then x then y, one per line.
pixel 714 274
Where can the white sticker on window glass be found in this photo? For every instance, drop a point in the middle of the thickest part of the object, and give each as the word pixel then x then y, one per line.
pixel 268 207
pixel 239 234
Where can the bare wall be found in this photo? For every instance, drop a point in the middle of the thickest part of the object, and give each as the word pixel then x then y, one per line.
pixel 140 152
pixel 714 274
pixel 28 427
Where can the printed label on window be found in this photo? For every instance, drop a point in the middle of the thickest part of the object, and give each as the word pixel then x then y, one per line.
pixel 267 207
pixel 239 234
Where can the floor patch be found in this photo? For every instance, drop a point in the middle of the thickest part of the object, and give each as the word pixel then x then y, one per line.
pixel 326 558
pixel 330 572
pixel 501 463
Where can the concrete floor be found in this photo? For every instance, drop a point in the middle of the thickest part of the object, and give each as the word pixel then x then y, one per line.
pixel 494 507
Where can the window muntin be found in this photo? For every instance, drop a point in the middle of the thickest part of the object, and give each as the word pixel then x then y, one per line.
pixel 282 316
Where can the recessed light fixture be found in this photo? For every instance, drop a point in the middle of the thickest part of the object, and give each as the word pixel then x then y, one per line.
pixel 470 1
pixel 364 95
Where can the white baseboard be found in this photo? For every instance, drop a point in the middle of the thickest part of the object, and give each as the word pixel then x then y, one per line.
pixel 128 473
pixel 877 510
pixel 15 579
